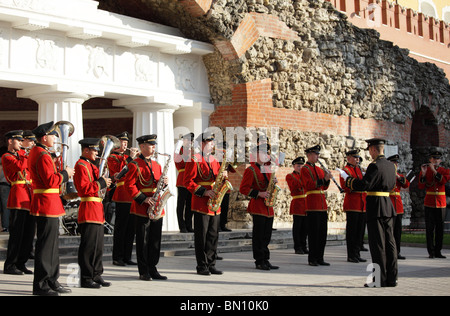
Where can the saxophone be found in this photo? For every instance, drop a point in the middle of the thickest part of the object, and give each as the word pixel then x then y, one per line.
pixel 220 187
pixel 161 195
pixel 273 190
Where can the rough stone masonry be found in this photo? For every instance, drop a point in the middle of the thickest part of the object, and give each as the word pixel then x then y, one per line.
pixel 327 82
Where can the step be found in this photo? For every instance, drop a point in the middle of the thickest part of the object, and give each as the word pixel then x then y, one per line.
pixel 182 244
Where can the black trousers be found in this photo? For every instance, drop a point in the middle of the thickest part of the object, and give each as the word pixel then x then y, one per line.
pixel 148 243
pixel 398 231
pixel 184 212
pixel 22 228
pixel 90 252
pixel 206 235
pixel 300 232
pixel 354 233
pixel 124 232
pixel 434 226
pixel 317 235
pixel 383 249
pixel 261 235
pixel 224 210
pixel 46 254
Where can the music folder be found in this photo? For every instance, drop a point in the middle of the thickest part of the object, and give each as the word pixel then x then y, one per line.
pixel 410 176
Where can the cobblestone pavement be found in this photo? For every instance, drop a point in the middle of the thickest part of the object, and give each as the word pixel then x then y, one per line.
pixel 418 275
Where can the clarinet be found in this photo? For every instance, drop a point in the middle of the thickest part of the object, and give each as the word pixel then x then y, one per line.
pixel 341 190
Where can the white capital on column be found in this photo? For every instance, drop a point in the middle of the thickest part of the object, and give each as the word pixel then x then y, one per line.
pixel 157 118
pixel 61 106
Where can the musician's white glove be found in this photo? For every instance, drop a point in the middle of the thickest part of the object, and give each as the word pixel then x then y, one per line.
pixel 344 174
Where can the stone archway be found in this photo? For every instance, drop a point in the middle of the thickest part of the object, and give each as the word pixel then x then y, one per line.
pixel 424 136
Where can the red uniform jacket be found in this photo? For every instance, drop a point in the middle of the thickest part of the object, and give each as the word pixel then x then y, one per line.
pixel 354 201
pixel 140 182
pixel 199 176
pixel 395 196
pixel 116 162
pixel 298 204
pixel 435 187
pixel 180 164
pixel 253 182
pixel 88 186
pixel 46 181
pixel 314 183
pixel 15 170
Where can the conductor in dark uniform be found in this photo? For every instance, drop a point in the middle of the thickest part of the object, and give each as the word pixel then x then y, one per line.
pixel 379 180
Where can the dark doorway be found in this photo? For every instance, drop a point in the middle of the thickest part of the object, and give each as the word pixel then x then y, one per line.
pixel 424 137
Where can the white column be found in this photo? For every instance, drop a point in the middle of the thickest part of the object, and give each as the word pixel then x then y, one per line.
pixel 157 118
pixel 63 106
pixel 193 119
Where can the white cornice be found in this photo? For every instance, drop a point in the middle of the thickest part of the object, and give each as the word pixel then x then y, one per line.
pixel 87 114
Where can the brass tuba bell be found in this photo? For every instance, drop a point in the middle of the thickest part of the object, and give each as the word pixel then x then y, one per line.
pixel 107 144
pixel 65 129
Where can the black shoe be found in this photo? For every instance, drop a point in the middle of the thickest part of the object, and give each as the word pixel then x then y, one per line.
pixel 363 249
pixel 313 263
pixel 48 292
pixel 203 271
pixel 156 276
pixel 89 284
pixel 431 256
pixel 99 280
pixel 400 257
pixel 190 230
pixel 323 263
pixel 361 259
pixel 272 267
pixel 61 289
pixel 145 277
pixel 183 230
pixel 25 270
pixel 13 270
pixel 262 266
pixel 119 263
pixel 130 263
pixel 440 256
pixel 299 252
pixel 354 260
pixel 224 229
pixel 213 270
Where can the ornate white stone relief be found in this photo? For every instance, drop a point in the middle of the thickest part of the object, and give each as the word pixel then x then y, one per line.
pixel 145 68
pixel 186 74
pixel 46 54
pixel 98 61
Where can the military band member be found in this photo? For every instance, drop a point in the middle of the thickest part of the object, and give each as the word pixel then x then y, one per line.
pixel 141 180
pixel 396 199
pixel 184 212
pixel 199 176
pixel 433 178
pixel 91 218
pixel 315 181
pixel 354 208
pixel 46 206
pixel 22 225
pixel 124 226
pixel 378 181
pixel 298 207
pixel 254 184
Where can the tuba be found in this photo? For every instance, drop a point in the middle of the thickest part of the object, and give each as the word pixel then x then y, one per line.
pixel 220 186
pixel 107 144
pixel 65 129
pixel 161 195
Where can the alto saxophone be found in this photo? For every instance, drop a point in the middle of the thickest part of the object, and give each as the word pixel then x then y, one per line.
pixel 161 195
pixel 273 190
pixel 220 187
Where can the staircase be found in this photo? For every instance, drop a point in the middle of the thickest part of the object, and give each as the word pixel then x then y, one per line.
pixel 180 244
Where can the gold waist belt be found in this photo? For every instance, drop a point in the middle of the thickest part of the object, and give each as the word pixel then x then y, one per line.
pixel 37 191
pixel 298 196
pixel 378 193
pixel 91 199
pixel 435 193
pixel 148 190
